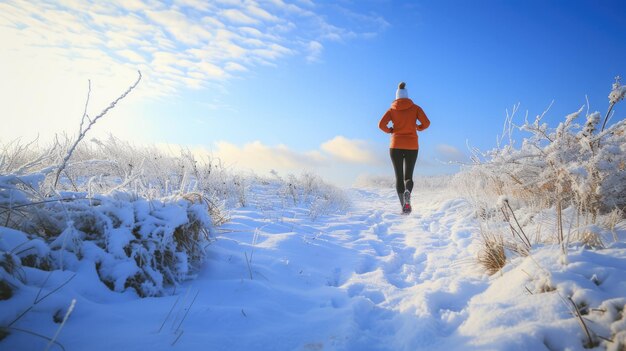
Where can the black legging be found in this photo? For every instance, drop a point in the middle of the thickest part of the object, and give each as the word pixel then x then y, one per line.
pixel 404 175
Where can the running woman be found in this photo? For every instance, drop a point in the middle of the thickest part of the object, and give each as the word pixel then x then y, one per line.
pixel 404 115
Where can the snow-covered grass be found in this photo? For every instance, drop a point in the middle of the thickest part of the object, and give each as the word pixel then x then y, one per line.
pixel 560 193
pixel 561 185
pixel 137 220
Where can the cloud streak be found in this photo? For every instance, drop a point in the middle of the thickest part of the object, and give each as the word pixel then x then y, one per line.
pixel 347 150
pixel 260 157
pixel 179 44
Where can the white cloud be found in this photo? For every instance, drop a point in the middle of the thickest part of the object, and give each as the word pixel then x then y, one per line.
pixel 259 157
pixel 315 49
pixel 134 31
pixel 51 48
pixel 132 56
pixel 339 160
pixel 238 17
pixel 258 12
pixel 449 153
pixel 350 150
pixel 233 66
pixel 196 4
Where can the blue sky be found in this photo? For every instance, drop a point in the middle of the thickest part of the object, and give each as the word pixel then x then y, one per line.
pixel 293 85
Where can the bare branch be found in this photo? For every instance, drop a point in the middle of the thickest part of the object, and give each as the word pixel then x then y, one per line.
pixel 83 132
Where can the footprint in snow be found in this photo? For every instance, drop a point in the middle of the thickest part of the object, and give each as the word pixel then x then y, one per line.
pixel 366 265
pixel 380 248
pixel 358 290
pixel 381 228
pixel 335 278
pixel 374 217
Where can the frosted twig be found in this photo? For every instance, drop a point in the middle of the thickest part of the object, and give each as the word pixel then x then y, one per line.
pixel 559 225
pixel 520 234
pixel 248 263
pixel 617 94
pixel 67 315
pixel 17 150
pixel 606 117
pixel 583 325
pixel 43 202
pixel 84 129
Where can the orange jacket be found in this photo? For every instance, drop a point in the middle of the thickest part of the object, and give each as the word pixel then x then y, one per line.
pixel 404 115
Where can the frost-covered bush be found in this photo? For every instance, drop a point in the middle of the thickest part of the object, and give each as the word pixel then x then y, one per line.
pixel 561 180
pixel 569 163
pixel 134 242
pixel 306 191
pixel 312 192
pixel 140 215
pixel 104 166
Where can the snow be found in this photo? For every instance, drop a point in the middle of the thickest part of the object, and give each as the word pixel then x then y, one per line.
pixel 366 278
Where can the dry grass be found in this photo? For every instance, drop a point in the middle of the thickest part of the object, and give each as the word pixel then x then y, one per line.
pixel 492 256
pixel 217 213
pixel 590 239
pixel 5 290
pixel 12 265
pixel 592 340
pixel 612 219
pixel 188 239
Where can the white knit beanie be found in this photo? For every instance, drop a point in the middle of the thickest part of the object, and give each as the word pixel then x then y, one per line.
pixel 402 92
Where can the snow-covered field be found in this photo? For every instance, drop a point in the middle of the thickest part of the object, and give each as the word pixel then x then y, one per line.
pixel 363 279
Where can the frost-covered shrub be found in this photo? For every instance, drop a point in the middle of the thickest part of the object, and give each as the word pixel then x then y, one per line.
pixel 573 163
pixel 308 191
pixel 155 243
pixel 559 180
pixel 320 197
pixel 580 165
pixel 141 216
pixel 134 242
pixel 104 166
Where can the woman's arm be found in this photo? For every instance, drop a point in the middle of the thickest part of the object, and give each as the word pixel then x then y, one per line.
pixel 384 121
pixel 424 121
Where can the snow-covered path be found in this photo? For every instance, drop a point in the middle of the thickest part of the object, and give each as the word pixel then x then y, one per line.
pixel 370 279
pixel 275 279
